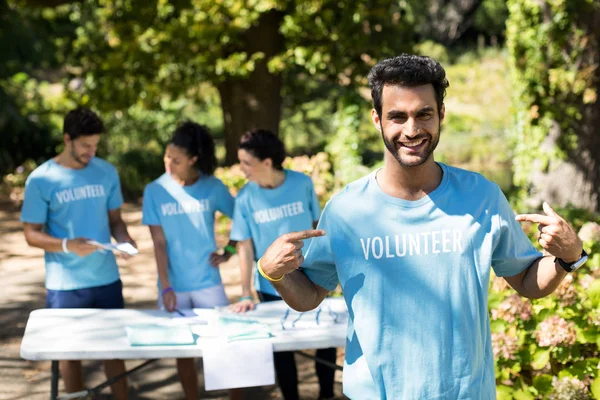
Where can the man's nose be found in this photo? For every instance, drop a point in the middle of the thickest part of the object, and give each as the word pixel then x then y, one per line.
pixel 412 128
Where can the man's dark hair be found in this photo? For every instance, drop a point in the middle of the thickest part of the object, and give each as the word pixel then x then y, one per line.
pixel 82 122
pixel 197 141
pixel 407 70
pixel 263 144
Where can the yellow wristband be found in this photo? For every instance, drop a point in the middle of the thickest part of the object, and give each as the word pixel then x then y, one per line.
pixel 264 274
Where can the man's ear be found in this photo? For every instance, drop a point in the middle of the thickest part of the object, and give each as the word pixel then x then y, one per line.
pixel 268 162
pixel 66 138
pixel 442 113
pixel 376 120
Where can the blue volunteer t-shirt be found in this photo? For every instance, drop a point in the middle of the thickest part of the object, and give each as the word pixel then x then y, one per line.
pixel 415 278
pixel 187 217
pixel 73 203
pixel 265 214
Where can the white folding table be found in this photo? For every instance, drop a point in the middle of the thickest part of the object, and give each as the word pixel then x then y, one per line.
pixel 98 334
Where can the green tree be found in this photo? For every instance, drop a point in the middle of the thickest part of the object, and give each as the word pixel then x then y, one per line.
pixel 256 53
pixel 555 68
pixel 27 55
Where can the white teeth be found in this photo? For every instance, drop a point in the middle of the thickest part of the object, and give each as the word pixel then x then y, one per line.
pixel 413 144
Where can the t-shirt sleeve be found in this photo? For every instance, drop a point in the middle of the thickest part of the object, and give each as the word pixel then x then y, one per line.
pixel 35 203
pixel 315 207
pixel 240 227
pixel 319 264
pixel 115 196
pixel 149 211
pixel 225 201
pixel 513 251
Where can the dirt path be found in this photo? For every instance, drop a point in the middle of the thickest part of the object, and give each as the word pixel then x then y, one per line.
pixel 22 290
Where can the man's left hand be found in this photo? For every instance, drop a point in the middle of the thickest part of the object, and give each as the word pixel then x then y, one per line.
pixel 556 235
pixel 124 255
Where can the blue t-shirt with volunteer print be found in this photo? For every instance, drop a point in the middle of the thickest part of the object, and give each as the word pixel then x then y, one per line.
pixel 415 277
pixel 73 203
pixel 187 217
pixel 263 215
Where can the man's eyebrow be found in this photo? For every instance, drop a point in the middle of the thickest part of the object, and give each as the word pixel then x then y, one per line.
pixel 400 114
pixel 395 114
pixel 424 110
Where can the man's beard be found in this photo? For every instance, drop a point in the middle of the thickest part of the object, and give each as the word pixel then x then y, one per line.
pixel 76 157
pixel 428 152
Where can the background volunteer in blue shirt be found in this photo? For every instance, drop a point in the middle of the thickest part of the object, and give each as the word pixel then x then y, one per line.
pixel 274 201
pixel 412 245
pixel 71 199
pixel 179 207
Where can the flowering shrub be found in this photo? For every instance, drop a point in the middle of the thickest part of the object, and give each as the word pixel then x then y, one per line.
pixel 549 348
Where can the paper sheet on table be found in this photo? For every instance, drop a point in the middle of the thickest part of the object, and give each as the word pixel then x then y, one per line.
pixel 238 364
pixel 187 317
pixel 123 247
pixel 159 335
pixel 239 328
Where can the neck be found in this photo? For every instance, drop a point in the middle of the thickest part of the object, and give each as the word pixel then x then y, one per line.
pixel 273 179
pixel 409 183
pixel 189 179
pixel 64 159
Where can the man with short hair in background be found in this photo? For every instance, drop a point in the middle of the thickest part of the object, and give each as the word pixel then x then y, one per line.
pixel 71 200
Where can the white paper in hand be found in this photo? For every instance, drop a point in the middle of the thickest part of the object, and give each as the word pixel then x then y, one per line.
pixel 122 247
pixel 238 364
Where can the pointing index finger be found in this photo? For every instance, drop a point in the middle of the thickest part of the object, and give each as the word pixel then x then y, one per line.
pixel 307 234
pixel 537 218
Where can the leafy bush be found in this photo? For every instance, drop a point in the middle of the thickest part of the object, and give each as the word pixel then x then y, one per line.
pixel 548 348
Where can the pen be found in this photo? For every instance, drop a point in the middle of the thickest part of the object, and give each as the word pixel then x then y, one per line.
pixel 179 312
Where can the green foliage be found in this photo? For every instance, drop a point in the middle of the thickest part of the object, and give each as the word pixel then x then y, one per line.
pixel 344 147
pixel 552 77
pixel 28 56
pixel 141 50
pixel 491 17
pixel 553 340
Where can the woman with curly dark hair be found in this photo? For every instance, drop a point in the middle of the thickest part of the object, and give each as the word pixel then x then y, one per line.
pixel 179 208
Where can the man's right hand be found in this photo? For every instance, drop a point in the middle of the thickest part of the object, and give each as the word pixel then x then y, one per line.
pixel 285 254
pixel 81 247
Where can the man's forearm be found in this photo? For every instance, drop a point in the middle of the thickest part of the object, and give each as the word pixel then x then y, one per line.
pixel 541 278
pixel 44 241
pixel 299 292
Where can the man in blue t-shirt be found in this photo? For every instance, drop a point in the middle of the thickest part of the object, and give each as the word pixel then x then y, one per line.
pixel 72 201
pixel 412 245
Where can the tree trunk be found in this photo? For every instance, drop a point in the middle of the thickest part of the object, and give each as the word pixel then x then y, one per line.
pixel 253 102
pixel 576 181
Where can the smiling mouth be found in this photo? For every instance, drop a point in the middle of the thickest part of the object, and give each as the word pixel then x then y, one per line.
pixel 413 144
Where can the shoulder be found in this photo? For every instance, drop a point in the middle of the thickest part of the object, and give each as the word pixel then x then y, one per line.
pixel 469 181
pixel 245 192
pixel 298 177
pixel 44 172
pixel 104 166
pixel 156 184
pixel 350 196
pixel 213 181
